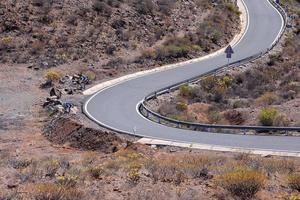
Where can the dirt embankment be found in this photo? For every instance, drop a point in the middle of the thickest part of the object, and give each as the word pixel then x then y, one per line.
pixel 66 131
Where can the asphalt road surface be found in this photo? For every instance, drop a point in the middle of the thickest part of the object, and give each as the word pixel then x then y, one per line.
pixel 115 107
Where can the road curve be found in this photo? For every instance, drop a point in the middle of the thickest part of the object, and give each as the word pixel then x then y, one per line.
pixel 115 107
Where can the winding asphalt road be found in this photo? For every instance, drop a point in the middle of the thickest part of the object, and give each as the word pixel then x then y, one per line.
pixel 115 107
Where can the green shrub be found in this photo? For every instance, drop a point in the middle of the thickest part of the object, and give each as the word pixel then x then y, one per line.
pixel 242 182
pixel 185 90
pixel 294 181
pixel 181 106
pixel 273 59
pixel 214 117
pixel 172 51
pixel 267 115
pixel 232 8
pixel 177 117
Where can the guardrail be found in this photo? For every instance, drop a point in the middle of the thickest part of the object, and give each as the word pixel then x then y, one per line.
pixel 151 115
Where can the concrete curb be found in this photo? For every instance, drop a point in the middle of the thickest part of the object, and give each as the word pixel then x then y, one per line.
pixel 244 26
pixel 270 152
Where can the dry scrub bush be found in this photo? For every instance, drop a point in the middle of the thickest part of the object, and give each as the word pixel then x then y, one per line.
pixel 50 167
pixel 89 74
pixel 216 87
pixel 234 117
pixel 50 191
pixel 102 7
pixel 209 83
pixel 292 197
pixel 29 173
pixel 242 182
pixel 214 117
pixel 177 168
pixel 144 6
pixel 36 47
pixel 294 181
pixel 67 181
pixel 281 120
pixel 279 166
pixel 267 115
pixel 20 163
pixel 267 99
pixel 165 171
pixel 4 157
pixel 89 157
pixel 149 53
pixel 52 75
pixel 195 166
pixel 127 159
pixel 165 6
pixel 96 171
pixel 133 176
pixel 174 47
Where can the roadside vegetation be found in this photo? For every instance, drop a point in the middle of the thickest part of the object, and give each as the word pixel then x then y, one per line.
pixel 137 167
pixel 265 93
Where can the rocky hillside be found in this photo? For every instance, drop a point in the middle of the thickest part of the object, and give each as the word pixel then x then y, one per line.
pixel 111 33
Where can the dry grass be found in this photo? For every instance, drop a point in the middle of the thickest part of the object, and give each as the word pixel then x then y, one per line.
pixel 242 175
pixel 50 191
pixel 178 168
pixel 294 181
